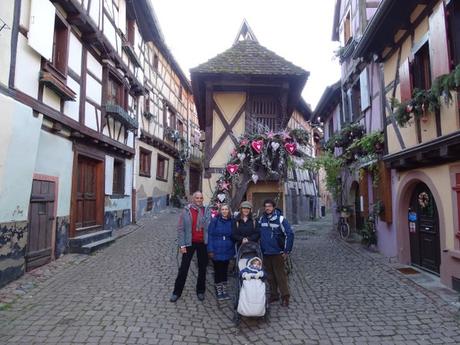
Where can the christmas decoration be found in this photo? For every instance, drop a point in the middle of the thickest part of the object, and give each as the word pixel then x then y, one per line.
pixel 221 197
pixel 232 168
pixel 290 148
pixel 255 178
pixel 275 146
pixel 257 145
pixel 241 156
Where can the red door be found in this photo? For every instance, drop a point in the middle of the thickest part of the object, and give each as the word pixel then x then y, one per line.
pixel 41 220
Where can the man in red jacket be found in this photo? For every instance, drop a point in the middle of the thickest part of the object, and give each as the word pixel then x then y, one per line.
pixel 192 236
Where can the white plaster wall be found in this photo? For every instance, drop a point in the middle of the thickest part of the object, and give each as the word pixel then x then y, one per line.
pixel 27 78
pixel 94 66
pixel 90 116
pixel 19 134
pixel 6 10
pixel 109 32
pixel 94 89
pixel 55 158
pixel 117 204
pixel 72 108
pixel 75 51
pixel 51 98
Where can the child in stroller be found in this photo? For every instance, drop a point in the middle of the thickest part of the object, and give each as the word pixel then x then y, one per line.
pixel 250 298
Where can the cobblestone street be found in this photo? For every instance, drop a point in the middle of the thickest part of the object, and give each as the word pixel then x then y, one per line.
pixel 120 296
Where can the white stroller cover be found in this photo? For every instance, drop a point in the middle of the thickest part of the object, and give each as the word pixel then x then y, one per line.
pixel 252 297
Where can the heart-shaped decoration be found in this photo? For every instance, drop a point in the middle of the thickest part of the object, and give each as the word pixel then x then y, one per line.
pixel 221 197
pixel 241 156
pixel 275 146
pixel 232 168
pixel 255 178
pixel 257 145
pixel 290 147
pixel 214 213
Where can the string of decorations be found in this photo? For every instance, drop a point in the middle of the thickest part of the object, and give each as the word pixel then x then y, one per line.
pixel 262 154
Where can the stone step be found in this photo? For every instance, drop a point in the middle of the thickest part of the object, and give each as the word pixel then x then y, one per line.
pixel 82 240
pixel 93 246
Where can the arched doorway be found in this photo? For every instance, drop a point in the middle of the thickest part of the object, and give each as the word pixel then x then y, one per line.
pixel 425 245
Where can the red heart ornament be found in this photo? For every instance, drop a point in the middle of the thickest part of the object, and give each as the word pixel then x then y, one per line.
pixel 257 145
pixel 232 168
pixel 290 147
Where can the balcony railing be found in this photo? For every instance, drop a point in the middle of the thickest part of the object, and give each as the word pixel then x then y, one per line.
pixel 121 115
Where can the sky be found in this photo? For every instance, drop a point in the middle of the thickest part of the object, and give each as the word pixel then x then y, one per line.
pixel 298 30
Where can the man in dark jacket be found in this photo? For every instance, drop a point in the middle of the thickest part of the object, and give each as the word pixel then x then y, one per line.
pixel 276 240
pixel 192 236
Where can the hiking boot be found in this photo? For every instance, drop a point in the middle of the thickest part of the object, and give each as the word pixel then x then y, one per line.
pixel 285 301
pixel 200 296
pixel 224 291
pixel 173 298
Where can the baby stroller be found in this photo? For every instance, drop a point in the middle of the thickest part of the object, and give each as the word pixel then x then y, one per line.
pixel 252 301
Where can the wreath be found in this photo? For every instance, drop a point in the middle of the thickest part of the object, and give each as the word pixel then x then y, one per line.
pixel 423 199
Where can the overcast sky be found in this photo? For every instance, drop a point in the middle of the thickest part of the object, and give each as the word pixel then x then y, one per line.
pixel 298 30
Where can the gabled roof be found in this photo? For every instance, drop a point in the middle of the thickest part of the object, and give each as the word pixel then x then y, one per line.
pixel 249 58
pixel 329 100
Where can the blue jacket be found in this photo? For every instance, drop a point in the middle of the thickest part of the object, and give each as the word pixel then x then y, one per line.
pixel 220 242
pixel 275 237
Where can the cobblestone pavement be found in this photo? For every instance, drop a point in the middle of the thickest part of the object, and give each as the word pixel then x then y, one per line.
pixel 120 296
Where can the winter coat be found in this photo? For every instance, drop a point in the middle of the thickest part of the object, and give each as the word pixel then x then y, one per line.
pixel 220 242
pixel 275 237
pixel 184 226
pixel 249 229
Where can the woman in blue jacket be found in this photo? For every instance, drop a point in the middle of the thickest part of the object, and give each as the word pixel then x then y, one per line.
pixel 221 249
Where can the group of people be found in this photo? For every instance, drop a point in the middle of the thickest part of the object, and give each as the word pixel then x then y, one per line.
pixel 215 237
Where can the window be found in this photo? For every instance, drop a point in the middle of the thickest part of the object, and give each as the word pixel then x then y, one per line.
pixel 171 119
pixel 347 29
pixel 180 128
pixel 180 92
pixel 60 46
pixel 331 127
pixel 155 62
pixel 118 177
pixel 356 100
pixel 145 159
pixel 130 29
pixel 421 73
pixel 162 168
pixel 115 92
pixel 264 110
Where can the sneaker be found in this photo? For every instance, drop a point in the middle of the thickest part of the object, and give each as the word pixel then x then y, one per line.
pixel 173 298
pixel 225 295
pixel 200 296
pixel 219 291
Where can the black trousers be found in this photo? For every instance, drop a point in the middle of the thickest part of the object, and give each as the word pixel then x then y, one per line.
pixel 202 255
pixel 220 271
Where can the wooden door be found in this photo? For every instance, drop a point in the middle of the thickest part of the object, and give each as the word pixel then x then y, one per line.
pixel 424 239
pixel 86 193
pixel 294 198
pixel 41 221
pixel 195 178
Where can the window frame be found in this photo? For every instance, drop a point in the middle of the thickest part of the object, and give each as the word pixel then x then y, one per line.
pixel 145 162
pixel 118 177
pixel 122 94
pixel 165 161
pixel 61 38
pixel 421 68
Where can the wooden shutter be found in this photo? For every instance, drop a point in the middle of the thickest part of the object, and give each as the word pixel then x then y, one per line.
pixel 128 176
pixel 405 84
pixel 109 162
pixel 439 49
pixel 364 90
pixel 41 27
pixel 385 193
pixel 456 188
pixel 364 191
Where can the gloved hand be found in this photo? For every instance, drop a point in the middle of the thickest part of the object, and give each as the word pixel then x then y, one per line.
pixel 258 275
pixel 246 276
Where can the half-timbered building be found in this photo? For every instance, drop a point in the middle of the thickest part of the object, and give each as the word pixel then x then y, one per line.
pixel 416 44
pixel 79 82
pixel 245 89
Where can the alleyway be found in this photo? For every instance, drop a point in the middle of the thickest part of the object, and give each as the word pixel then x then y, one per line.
pixel 120 296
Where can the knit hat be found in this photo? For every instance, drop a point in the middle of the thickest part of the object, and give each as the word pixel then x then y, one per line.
pixel 246 204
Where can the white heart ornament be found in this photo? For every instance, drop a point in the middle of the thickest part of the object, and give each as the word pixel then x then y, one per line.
pixel 221 197
pixel 241 156
pixel 255 178
pixel 275 146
